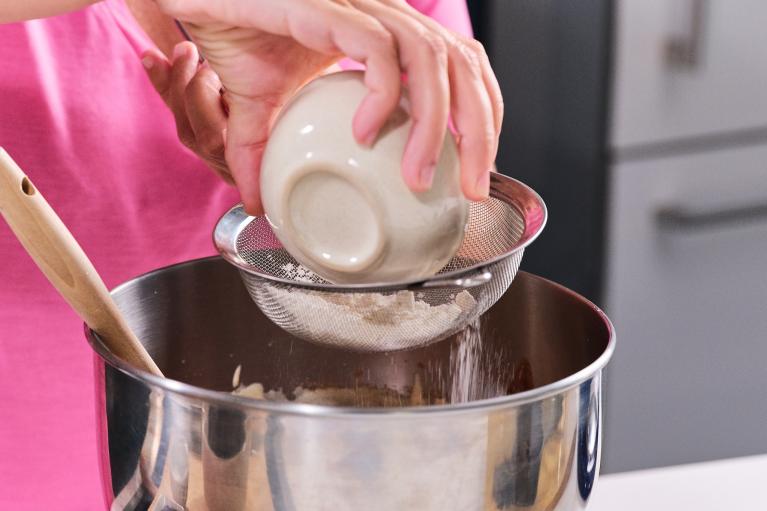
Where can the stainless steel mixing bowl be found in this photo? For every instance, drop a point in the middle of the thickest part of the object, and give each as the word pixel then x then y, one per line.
pixel 530 440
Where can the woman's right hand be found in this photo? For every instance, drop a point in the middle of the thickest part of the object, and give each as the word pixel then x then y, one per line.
pixel 264 50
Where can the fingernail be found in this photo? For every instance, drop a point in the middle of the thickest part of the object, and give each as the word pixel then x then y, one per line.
pixel 147 62
pixel 426 177
pixel 482 188
pixel 369 139
pixel 179 51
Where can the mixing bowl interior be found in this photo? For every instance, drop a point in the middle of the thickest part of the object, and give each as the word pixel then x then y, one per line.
pixel 199 324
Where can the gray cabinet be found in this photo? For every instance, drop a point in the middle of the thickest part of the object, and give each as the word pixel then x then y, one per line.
pixel 686 250
pixel 720 85
pixel 687 290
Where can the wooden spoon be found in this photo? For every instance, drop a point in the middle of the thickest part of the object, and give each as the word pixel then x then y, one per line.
pixel 59 256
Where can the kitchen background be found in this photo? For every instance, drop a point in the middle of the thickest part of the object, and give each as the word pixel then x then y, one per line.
pixel 643 123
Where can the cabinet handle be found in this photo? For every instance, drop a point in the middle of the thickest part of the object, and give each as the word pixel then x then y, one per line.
pixel 683 46
pixel 684 219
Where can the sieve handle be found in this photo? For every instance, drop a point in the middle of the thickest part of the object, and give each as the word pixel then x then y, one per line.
pixel 477 278
pixel 60 258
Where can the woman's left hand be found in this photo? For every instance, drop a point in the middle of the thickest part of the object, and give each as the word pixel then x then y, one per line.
pixel 192 92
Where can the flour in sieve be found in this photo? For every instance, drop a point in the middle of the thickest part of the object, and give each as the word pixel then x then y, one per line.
pixel 372 319
pixel 300 273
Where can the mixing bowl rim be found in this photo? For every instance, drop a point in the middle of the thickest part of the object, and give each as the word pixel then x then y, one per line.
pixel 225 240
pixel 289 408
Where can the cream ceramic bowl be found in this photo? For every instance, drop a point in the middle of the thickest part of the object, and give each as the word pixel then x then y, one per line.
pixel 343 210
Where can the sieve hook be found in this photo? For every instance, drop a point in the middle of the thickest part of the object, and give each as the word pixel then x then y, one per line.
pixel 474 279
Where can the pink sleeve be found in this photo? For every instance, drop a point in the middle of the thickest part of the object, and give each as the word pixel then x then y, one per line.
pixel 452 14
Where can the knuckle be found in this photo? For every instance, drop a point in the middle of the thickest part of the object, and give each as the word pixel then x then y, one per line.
pixel 434 44
pixel 199 83
pixel 211 143
pixel 481 138
pixel 383 39
pixel 471 59
pixel 257 146
pixel 269 101
pixel 172 7
pixel 476 47
pixel 389 95
pixel 191 88
pixel 206 75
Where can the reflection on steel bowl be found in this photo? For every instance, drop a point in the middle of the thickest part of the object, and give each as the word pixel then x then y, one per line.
pixel 504 415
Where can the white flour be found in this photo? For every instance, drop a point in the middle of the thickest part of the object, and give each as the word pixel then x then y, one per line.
pixel 382 321
pixel 300 273
pixel 466 366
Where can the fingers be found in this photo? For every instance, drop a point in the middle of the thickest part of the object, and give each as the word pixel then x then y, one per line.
pixel 476 104
pixel 249 122
pixel 383 96
pixel 192 94
pixel 331 28
pixel 170 80
pixel 446 74
pixel 423 56
pixel 183 68
pixel 474 122
pixel 495 95
pixel 158 69
pixel 207 118
pixel 337 28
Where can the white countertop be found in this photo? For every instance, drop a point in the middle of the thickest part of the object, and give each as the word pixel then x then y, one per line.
pixel 726 485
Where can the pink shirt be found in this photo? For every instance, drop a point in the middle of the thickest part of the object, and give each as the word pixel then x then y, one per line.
pixel 79 115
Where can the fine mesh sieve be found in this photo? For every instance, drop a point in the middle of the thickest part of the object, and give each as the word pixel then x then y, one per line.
pixel 388 316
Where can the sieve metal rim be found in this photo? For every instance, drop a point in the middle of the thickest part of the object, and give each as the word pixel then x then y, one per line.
pixel 518 195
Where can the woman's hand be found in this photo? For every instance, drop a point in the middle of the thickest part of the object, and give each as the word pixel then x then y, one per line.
pixel 192 92
pixel 264 50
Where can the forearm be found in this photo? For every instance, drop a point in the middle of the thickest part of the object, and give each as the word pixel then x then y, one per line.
pixel 21 10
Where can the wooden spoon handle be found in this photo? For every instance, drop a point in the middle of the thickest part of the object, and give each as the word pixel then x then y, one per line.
pixel 59 256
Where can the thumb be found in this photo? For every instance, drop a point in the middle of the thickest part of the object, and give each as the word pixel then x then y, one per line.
pixel 250 121
pixel 157 69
